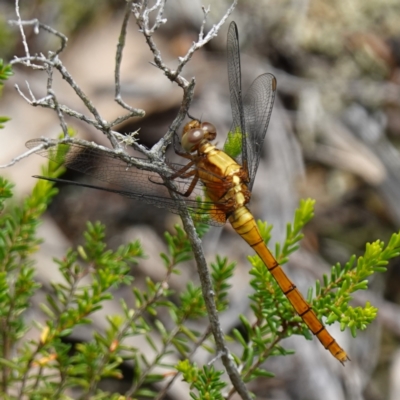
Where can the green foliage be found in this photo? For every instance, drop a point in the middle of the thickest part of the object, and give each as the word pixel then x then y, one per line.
pixel 233 144
pixel 5 192
pixel 48 366
pixel 222 271
pixel 18 242
pixel 333 296
pixel 207 381
pixel 302 216
pixel 5 73
pixel 276 319
pixel 201 214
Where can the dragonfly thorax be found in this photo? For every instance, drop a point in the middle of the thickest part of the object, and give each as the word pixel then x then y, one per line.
pixel 195 133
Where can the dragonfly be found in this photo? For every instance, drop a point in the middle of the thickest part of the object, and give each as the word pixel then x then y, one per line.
pixel 224 181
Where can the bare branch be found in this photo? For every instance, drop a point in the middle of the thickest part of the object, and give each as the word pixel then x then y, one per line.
pixel 36 25
pixel 205 12
pixel 150 164
pixel 202 41
pixel 159 19
pixel 141 14
pixel 21 93
pixel 24 155
pixel 27 61
pixel 53 62
pixel 142 18
pixel 159 148
pixel 72 113
pixel 24 42
pixel 206 284
pixel 134 112
pixel 208 294
pixel 47 103
pixel 59 113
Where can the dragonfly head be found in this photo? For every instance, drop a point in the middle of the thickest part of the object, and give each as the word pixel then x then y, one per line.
pixel 195 133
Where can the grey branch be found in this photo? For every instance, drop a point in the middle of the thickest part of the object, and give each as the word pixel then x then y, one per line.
pixel 22 156
pixel 133 112
pixel 208 294
pixel 213 32
pixel 36 28
pixel 141 14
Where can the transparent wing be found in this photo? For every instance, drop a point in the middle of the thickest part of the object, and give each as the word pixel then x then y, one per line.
pixel 235 88
pixel 251 115
pixel 132 182
pixel 258 104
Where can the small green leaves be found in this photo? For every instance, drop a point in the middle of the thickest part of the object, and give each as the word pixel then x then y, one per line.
pixel 192 303
pixel 276 318
pixel 201 214
pixel 265 231
pixel 3 120
pixel 233 144
pixel 157 316
pixel 334 296
pixel 178 248
pixel 207 381
pixel 5 192
pixel 302 216
pixel 221 272
pixel 70 304
pixel 5 72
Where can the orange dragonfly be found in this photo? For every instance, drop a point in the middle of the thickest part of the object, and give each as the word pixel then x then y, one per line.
pixel 225 181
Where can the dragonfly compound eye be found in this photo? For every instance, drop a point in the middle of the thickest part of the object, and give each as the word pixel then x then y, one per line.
pixel 191 139
pixel 210 133
pixel 191 125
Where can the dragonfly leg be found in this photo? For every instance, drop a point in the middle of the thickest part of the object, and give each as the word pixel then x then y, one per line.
pixel 192 184
pixel 184 175
pixel 187 174
pixel 246 174
pixel 181 172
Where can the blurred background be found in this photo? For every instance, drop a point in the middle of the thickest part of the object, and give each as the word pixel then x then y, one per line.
pixel 333 136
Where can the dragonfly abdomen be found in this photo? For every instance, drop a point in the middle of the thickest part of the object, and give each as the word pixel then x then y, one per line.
pixel 244 224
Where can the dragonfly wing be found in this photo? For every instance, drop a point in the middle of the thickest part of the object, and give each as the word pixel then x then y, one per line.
pixel 250 115
pixel 235 88
pixel 130 181
pixel 258 103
